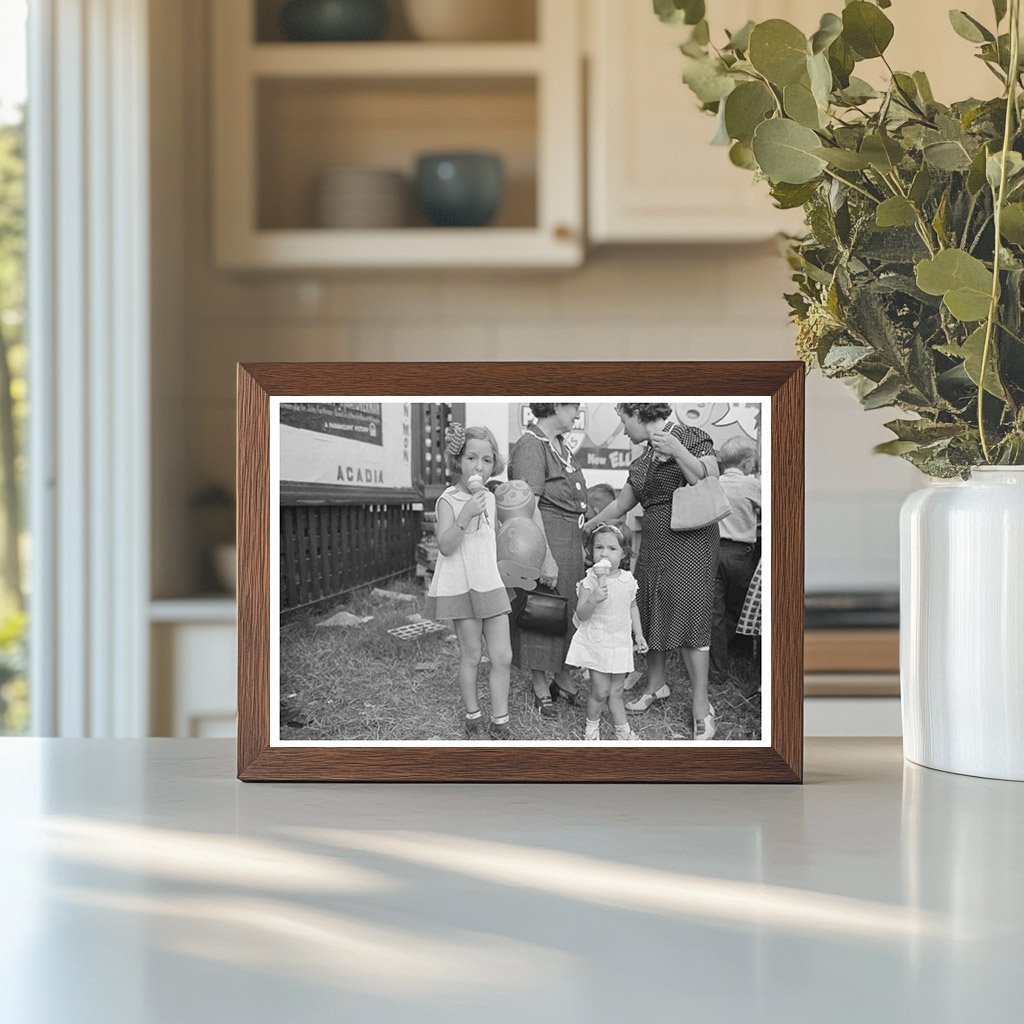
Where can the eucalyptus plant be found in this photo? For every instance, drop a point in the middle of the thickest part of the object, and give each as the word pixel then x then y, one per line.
pixel 909 281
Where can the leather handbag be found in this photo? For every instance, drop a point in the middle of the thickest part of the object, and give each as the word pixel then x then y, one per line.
pixel 543 610
pixel 695 506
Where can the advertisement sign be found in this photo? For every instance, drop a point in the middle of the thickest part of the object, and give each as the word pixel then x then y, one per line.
pixel 348 444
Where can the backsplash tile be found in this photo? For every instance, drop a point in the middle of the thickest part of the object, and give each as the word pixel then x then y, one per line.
pixel 719 302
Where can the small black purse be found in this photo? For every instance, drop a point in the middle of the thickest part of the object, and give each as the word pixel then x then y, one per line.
pixel 543 610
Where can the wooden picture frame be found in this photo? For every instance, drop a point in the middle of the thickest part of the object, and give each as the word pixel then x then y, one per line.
pixel 777 757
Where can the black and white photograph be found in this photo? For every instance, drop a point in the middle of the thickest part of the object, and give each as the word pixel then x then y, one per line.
pixel 541 571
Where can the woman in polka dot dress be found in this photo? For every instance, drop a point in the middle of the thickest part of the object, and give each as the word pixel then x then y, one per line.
pixel 675 569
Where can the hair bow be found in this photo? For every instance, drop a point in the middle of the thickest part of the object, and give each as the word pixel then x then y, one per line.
pixel 454 439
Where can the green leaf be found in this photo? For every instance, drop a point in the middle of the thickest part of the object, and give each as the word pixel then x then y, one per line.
pixel 676 12
pixel 745 108
pixel 742 155
pixel 994 167
pixel 844 159
pixel 883 153
pixel 1011 225
pixel 789 197
pixel 976 175
pixel 895 447
pixel 694 11
pixel 820 75
pixel 830 28
pixel 968 28
pixel 800 105
pixel 939 220
pixel 778 50
pixel 841 60
pixel 721 137
pixel 707 80
pixel 896 212
pixel 923 431
pixel 946 156
pixel 921 185
pixel 866 29
pixel 785 152
pixel 739 41
pixel 971 352
pixel 885 394
pixel 924 88
pixel 858 91
pixel 963 281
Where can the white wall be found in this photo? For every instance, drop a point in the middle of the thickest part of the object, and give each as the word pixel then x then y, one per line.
pixel 639 304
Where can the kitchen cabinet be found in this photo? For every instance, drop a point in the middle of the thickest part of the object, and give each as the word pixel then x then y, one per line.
pixel 287 113
pixel 653 175
pixel 192 649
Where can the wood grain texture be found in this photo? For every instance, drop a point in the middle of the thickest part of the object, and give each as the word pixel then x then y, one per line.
pixel 852 650
pixel 782 382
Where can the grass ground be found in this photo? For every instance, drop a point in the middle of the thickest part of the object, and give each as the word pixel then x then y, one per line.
pixel 359 683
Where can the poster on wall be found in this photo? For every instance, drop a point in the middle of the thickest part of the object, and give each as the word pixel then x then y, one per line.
pixel 349 444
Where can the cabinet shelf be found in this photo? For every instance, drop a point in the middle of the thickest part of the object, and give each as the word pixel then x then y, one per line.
pixel 392 60
pixel 287 114
pixel 310 248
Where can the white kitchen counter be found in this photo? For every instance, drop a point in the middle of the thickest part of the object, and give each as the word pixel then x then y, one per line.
pixel 143 884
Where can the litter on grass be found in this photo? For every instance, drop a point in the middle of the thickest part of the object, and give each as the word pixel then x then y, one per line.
pixel 344 620
pixel 393 595
pixel 417 629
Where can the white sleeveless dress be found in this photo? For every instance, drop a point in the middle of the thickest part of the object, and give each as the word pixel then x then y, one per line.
pixel 604 642
pixel 466 583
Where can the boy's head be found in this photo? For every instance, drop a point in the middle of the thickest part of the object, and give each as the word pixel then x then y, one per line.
pixel 739 453
pixel 599 497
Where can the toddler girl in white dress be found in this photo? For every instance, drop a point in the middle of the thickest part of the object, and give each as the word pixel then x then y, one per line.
pixel 607 621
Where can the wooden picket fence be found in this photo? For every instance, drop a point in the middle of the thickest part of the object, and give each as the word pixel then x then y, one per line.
pixel 335 540
pixel 328 550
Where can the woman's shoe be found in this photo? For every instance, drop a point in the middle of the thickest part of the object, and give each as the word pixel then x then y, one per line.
pixel 571 697
pixel 544 706
pixel 705 730
pixel 645 700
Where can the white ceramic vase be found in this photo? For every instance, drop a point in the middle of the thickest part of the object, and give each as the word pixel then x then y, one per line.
pixel 962 624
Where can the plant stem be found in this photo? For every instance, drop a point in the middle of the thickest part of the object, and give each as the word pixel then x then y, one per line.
pixel 850 184
pixel 993 308
pixel 922 225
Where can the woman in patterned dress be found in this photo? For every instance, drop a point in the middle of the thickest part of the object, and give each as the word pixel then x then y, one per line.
pixel 675 569
pixel 542 459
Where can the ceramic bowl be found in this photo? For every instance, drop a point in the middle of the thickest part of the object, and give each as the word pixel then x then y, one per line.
pixel 461 189
pixel 334 20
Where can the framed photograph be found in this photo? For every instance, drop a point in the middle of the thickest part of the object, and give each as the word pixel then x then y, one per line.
pixel 559 572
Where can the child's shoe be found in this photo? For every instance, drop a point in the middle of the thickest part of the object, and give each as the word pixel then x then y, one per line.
pixel 592 730
pixel 500 730
pixel 625 732
pixel 476 728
